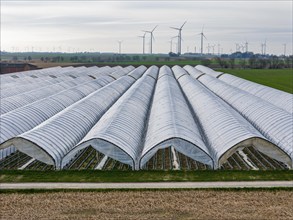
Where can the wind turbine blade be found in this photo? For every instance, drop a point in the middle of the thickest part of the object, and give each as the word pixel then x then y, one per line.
pixel 154 38
pixel 154 28
pixel 204 36
pixel 146 31
pixel 175 28
pixel 183 24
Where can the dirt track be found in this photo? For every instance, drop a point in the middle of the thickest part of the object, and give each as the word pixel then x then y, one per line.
pixel 148 185
pixel 195 204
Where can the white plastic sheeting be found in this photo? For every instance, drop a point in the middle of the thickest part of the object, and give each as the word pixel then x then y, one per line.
pixel 120 131
pixel 129 118
pixel 38 83
pixel 224 128
pixel 63 131
pixel 208 71
pixel 19 100
pixel 58 135
pixel 27 117
pixel 272 122
pixel 195 73
pixel 7 151
pixel 279 98
pixel 171 123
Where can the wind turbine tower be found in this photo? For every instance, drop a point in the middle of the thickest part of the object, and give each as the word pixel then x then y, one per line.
pixel 179 36
pixel 152 37
pixel 284 49
pixel 171 42
pixel 246 46
pixel 202 36
pixel 264 47
pixel 120 42
pixel 143 42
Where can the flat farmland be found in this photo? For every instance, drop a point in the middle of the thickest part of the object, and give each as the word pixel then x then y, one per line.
pixel 150 204
pixel 281 79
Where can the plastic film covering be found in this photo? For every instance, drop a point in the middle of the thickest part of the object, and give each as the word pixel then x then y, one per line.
pixel 137 74
pixel 119 73
pixel 208 71
pixel 171 123
pixel 20 89
pixel 195 73
pixel 13 102
pixel 279 98
pixel 17 101
pixel 120 131
pixel 224 128
pixel 27 117
pixel 6 152
pixel 272 122
pixel 14 77
pixel 31 80
pixel 58 135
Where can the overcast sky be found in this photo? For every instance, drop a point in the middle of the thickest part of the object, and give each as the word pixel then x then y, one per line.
pixel 71 26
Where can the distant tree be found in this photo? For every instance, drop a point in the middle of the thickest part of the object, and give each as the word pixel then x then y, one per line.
pixel 206 62
pixel 171 54
pixel 42 59
pixel 252 62
pixel 232 63
pixel 29 58
pixel 221 62
pixel 242 63
pixel 14 58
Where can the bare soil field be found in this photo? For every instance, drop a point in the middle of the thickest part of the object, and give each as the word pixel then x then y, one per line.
pixel 181 204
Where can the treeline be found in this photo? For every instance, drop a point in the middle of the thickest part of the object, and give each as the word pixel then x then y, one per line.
pixel 254 62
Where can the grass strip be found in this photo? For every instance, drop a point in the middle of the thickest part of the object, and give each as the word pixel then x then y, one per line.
pixel 95 176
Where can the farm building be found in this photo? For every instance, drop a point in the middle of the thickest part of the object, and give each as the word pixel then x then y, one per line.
pixel 142 118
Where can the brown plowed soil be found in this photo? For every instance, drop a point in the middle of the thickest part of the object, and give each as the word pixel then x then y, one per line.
pixel 194 204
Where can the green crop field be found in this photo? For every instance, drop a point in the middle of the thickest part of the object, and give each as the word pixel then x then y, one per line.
pixel 281 79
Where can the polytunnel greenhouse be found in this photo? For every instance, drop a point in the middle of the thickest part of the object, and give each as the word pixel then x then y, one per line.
pixel 132 118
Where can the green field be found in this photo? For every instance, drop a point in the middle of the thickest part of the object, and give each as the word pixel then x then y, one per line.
pixel 281 79
pixel 141 176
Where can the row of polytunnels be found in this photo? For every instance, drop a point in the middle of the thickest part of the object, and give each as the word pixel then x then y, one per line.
pixel 108 118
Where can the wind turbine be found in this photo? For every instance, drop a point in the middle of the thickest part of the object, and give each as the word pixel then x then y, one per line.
pixel 246 46
pixel 208 47
pixel 143 41
pixel 171 43
pixel 213 46
pixel 284 49
pixel 120 42
pixel 202 36
pixel 264 47
pixel 152 37
pixel 179 36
